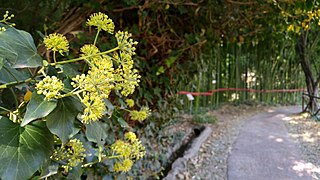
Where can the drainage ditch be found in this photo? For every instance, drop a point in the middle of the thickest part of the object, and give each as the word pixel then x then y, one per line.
pixel 185 147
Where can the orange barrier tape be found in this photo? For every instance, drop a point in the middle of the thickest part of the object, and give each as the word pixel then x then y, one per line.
pixel 211 92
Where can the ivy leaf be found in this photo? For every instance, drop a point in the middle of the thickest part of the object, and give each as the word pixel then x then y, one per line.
pixel 9 74
pixel 122 122
pixel 61 121
pixel 110 107
pixel 96 132
pixel 38 108
pixel 18 48
pixel 1 62
pixel 23 149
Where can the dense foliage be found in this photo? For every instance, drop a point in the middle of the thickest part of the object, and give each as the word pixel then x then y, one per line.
pixel 183 45
pixel 68 116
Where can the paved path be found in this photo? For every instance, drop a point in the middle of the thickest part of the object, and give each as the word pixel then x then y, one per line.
pixel 265 151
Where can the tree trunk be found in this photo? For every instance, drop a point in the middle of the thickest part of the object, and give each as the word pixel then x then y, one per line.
pixel 312 84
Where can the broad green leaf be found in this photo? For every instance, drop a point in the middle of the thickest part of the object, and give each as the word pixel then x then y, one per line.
pixel 9 74
pixel 110 107
pixel 96 132
pixel 122 122
pixel 38 108
pixel 61 121
pixel 70 70
pixel 49 169
pixel 1 63
pixel 18 48
pixel 23 149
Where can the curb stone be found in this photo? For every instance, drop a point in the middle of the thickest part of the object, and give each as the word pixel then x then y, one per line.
pixel 179 164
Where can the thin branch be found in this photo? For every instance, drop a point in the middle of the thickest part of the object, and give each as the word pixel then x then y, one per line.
pixel 241 3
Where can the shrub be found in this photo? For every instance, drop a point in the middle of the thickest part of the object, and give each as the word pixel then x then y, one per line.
pixel 67 117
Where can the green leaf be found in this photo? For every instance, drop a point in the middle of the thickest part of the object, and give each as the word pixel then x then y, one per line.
pixel 70 70
pixel 1 63
pixel 96 132
pixel 122 123
pixel 61 121
pixel 160 70
pixel 38 108
pixel 18 48
pixel 23 149
pixel 170 61
pixel 110 107
pixel 9 74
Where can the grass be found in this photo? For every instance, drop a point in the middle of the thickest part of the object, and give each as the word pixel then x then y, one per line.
pixel 204 118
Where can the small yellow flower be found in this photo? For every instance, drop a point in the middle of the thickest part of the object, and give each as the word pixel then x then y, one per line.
pixel 123 166
pixel 5 19
pixel 56 42
pixel 70 154
pixel 50 87
pixel 126 80
pixel 90 50
pixel 122 148
pixel 99 79
pixel 130 102
pixel 101 21
pixel 128 151
pixel 125 43
pixel 290 28
pixel 140 115
pixel 130 136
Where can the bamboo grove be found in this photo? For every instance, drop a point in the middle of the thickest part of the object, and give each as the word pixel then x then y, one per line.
pixel 265 66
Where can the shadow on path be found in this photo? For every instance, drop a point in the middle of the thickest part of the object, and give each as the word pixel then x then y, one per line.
pixel 265 151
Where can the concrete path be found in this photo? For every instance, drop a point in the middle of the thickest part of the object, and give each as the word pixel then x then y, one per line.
pixel 265 151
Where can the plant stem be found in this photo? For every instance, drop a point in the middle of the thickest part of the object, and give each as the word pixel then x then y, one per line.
pixel 15 97
pixel 54 56
pixel 83 57
pixel 3 86
pixel 95 39
pixel 5 109
pixel 103 159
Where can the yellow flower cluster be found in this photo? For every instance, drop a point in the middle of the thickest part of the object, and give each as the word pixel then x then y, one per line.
pixel 125 43
pixel 56 42
pixel 128 151
pixel 130 103
pixel 50 87
pixel 126 78
pixel 99 78
pixel 123 166
pixel 5 19
pixel 71 154
pixel 89 51
pixel 95 107
pixel 106 73
pixel 307 17
pixel 141 115
pixel 101 21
